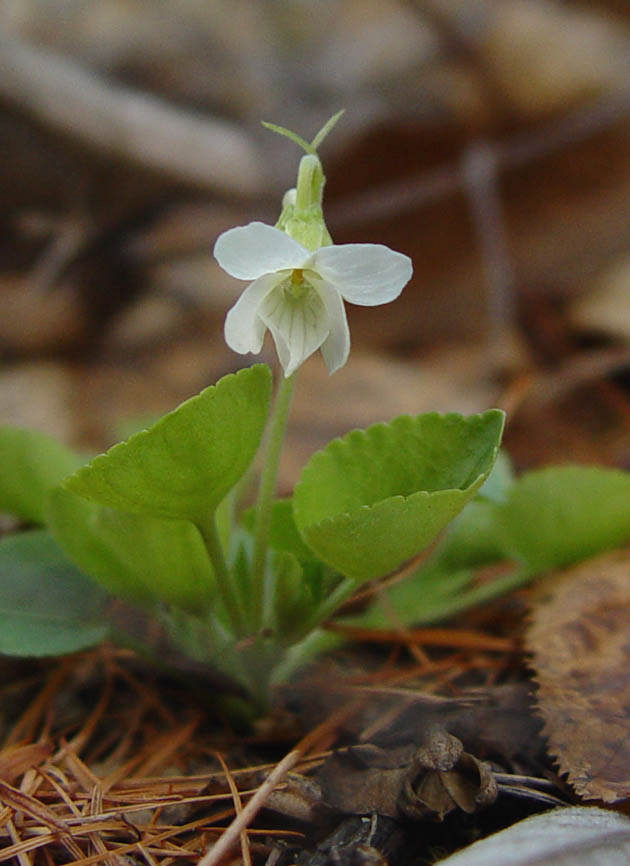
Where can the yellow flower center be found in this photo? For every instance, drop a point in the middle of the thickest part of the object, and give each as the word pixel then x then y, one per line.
pixel 296 286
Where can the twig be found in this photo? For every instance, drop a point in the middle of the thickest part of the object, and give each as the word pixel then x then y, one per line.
pixel 126 123
pixel 63 246
pixel 246 853
pixel 480 173
pixel 218 851
pixel 441 637
pixel 231 835
pixel 581 369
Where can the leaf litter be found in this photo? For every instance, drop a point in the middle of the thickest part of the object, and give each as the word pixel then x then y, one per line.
pixel 99 764
pixel 579 640
pixel 134 777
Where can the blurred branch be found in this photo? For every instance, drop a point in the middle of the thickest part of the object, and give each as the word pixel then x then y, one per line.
pixel 66 241
pixel 458 42
pixel 126 123
pixel 480 173
pixel 520 149
pixel 592 367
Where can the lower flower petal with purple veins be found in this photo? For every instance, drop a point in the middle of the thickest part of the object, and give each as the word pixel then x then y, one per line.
pixel 300 325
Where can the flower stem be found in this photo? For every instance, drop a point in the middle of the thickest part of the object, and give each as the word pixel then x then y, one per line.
pixel 225 587
pixel 266 491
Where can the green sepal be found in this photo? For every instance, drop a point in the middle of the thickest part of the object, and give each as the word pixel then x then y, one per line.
pixel 185 464
pixel 47 606
pixel 138 557
pixel 375 498
pixel 31 463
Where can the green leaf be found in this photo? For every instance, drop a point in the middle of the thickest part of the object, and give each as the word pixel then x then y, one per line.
pixel 283 533
pixel 187 462
pixel 443 580
pixel 495 488
pixel 418 599
pixel 563 514
pixel 31 463
pixel 135 556
pixel 471 540
pixel 47 607
pixel 371 500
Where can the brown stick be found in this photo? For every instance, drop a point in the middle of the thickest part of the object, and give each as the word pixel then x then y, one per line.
pixel 126 123
pixel 241 822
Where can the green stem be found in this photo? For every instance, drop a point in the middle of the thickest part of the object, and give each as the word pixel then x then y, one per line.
pixel 296 656
pixel 447 608
pixel 208 530
pixel 266 492
pixel 330 604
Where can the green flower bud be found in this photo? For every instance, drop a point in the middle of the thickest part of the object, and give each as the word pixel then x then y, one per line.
pixel 302 217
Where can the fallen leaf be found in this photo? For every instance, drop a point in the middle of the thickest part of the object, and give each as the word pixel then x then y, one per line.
pixel 351 783
pixel 577 836
pixel 579 639
pixel 413 782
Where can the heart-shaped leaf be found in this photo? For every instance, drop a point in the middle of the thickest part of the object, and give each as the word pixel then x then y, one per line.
pixel 185 464
pixel 135 556
pixel 562 514
pixel 371 500
pixel 31 463
pixel 47 607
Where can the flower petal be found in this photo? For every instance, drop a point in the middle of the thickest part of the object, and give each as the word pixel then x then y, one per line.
pixel 298 326
pixel 336 347
pixel 248 252
pixel 365 274
pixel 244 329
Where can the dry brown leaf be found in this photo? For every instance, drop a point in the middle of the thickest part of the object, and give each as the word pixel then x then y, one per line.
pixel 580 642
pixel 415 782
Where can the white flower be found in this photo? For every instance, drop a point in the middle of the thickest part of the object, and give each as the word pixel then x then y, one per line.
pixel 299 294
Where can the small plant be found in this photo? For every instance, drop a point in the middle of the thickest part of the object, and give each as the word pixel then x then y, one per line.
pixel 158 521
